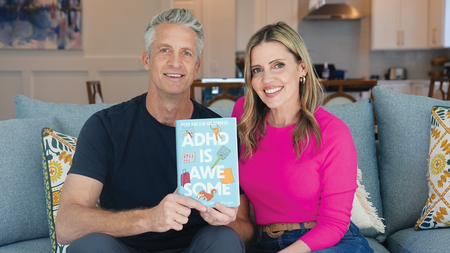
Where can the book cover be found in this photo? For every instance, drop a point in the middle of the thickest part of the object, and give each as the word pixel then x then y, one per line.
pixel 207 160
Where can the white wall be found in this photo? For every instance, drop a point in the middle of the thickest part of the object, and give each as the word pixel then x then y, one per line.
pixel 113 42
pixel 219 27
pixel 218 18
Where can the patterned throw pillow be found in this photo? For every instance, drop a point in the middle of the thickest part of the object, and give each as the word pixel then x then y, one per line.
pixel 58 151
pixel 437 208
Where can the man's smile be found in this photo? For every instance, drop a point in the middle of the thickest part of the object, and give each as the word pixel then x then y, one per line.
pixel 174 75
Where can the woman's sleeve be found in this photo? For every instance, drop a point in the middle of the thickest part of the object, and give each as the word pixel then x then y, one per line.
pixel 338 186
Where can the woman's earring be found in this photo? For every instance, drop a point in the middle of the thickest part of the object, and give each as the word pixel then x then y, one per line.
pixel 302 80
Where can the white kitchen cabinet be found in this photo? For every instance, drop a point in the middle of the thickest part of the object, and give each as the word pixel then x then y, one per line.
pixel 421 87
pixel 399 24
pixel 439 23
pixel 252 15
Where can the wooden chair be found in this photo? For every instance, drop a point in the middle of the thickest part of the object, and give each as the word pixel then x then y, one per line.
pixel 347 85
pixel 224 99
pixel 440 92
pixel 94 91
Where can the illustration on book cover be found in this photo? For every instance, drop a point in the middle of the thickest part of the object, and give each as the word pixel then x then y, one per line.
pixel 207 160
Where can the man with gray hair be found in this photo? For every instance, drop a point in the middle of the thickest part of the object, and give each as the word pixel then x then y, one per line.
pixel 126 158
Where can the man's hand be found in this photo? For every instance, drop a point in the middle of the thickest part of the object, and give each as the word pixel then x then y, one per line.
pixel 173 212
pixel 219 215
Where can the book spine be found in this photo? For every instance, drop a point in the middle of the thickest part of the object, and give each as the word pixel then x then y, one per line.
pixel 178 155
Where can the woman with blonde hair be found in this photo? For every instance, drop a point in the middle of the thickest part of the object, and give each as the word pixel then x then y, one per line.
pixel 298 162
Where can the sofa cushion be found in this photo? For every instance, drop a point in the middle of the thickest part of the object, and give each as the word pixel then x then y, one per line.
pixel 375 245
pixel 41 245
pixel 22 198
pixel 404 133
pixel 58 150
pixel 224 111
pixel 71 117
pixel 359 118
pixel 411 241
pixel 436 210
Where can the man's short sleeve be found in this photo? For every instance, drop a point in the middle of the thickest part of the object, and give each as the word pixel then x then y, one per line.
pixel 94 149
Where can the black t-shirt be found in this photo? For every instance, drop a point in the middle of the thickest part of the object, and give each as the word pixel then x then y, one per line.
pixel 133 155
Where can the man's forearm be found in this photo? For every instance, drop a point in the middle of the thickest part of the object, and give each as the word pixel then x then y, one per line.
pixel 243 224
pixel 80 221
pixel 245 229
pixel 76 220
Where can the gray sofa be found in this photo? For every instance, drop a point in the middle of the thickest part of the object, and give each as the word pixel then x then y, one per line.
pixel 394 167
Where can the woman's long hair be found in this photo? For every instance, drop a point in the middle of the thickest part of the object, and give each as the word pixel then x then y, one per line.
pixel 252 125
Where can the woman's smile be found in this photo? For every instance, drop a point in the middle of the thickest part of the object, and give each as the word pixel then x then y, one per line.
pixel 273 90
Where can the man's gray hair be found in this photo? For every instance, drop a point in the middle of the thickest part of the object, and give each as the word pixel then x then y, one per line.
pixel 174 16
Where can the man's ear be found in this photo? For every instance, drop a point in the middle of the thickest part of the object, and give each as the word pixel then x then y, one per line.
pixel 145 60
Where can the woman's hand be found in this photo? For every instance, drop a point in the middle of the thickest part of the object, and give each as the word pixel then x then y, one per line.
pixel 219 215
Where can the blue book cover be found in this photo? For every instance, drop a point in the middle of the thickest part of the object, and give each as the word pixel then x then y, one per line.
pixel 207 160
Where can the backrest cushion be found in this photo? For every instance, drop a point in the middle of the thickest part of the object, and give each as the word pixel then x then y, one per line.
pixel 22 197
pixel 404 136
pixel 224 111
pixel 71 117
pixel 360 120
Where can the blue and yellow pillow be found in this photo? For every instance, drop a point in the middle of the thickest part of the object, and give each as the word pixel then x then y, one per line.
pixel 58 151
pixel 436 212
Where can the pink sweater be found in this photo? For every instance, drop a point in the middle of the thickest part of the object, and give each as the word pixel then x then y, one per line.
pixel 318 187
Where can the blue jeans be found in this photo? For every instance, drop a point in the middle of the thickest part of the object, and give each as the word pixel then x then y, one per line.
pixel 353 241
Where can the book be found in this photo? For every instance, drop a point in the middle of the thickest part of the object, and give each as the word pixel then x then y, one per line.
pixel 207 160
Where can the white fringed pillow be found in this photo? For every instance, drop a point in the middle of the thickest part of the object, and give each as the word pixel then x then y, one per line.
pixel 364 214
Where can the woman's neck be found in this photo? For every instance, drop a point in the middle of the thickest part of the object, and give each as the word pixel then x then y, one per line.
pixel 281 118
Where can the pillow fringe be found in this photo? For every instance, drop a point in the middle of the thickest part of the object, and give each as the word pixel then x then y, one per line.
pixel 363 195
